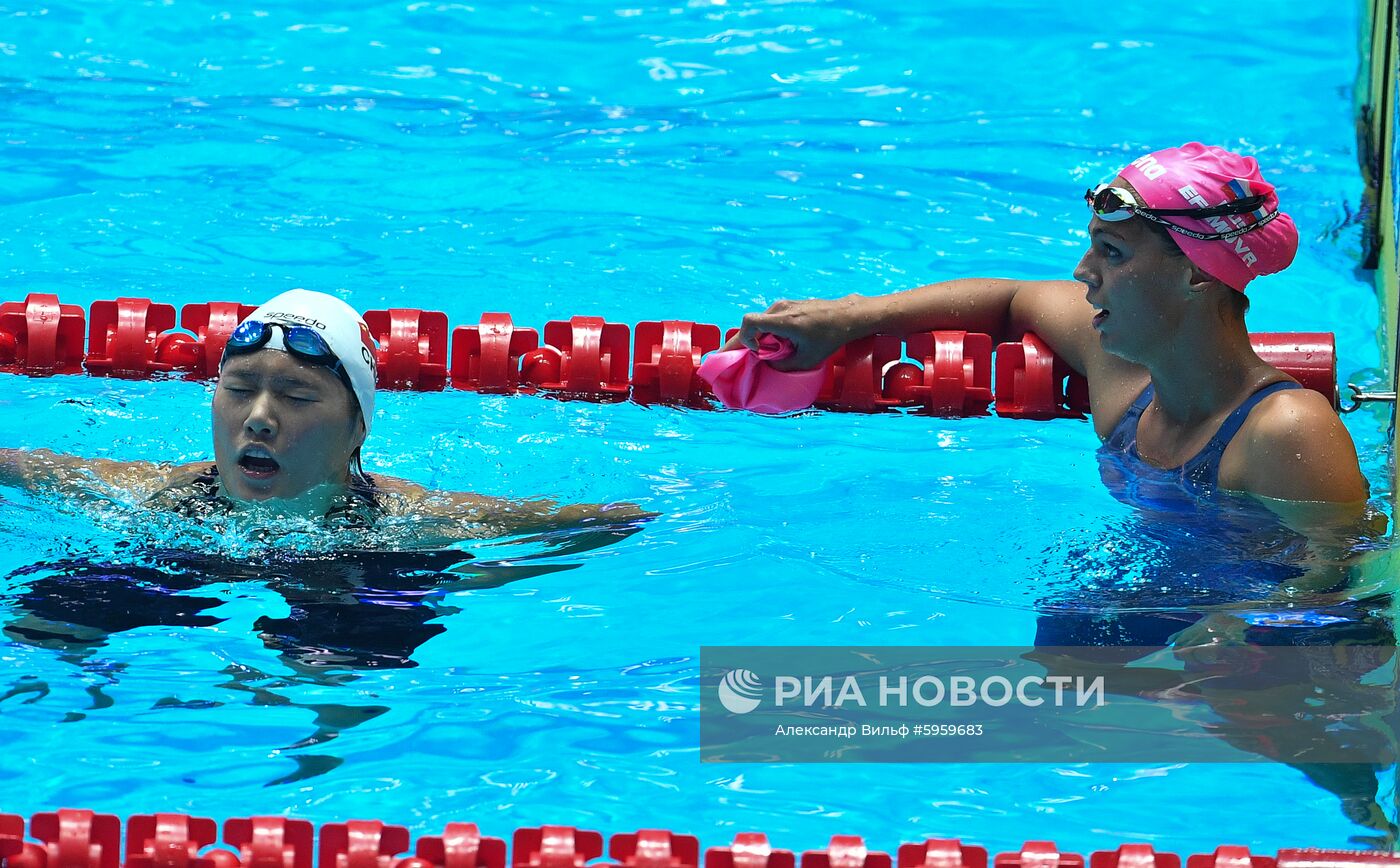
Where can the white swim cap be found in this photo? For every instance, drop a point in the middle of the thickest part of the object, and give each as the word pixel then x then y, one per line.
pixel 338 324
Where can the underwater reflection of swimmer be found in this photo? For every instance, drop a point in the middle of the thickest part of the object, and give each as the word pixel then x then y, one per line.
pixel 349 612
pixel 1220 578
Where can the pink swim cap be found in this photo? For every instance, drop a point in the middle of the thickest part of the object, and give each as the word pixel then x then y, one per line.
pixel 1199 176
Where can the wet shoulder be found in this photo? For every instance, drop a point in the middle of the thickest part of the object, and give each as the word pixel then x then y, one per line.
pixel 173 486
pixel 397 496
pixel 1293 446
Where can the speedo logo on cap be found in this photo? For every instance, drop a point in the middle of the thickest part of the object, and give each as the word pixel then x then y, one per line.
pixel 294 318
pixel 1220 224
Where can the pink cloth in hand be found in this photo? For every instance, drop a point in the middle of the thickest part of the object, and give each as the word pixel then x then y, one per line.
pixel 743 379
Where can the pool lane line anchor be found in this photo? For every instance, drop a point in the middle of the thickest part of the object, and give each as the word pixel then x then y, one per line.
pixel 1359 397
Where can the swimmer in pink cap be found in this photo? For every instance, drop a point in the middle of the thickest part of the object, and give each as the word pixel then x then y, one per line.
pixel 1155 320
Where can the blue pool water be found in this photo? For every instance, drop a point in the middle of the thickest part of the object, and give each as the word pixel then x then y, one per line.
pixel 696 161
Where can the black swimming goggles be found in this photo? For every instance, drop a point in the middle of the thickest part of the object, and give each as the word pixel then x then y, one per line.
pixel 1116 203
pixel 303 342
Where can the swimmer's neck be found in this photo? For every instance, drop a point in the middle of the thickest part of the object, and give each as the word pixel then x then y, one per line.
pixel 315 502
pixel 1205 373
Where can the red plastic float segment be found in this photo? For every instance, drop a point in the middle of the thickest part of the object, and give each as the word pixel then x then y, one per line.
pixel 655 848
pixel 1308 357
pixel 554 847
pixel 1030 381
pixel 124 338
pixel 855 376
pixel 956 378
pixel 1133 856
pixel 1230 856
pixel 1039 854
pixel 486 357
pixel 942 852
pixel 361 843
pixel 40 335
pixel 78 839
pixel 168 841
pixel 271 842
pixel 584 358
pixel 211 323
pixel 461 845
pixel 846 851
pixel 31 855
pixel 11 835
pixel 749 850
pixel 666 358
pixel 1319 858
pixel 412 350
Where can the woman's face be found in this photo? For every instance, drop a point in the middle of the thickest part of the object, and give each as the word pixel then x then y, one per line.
pixel 281 426
pixel 1138 285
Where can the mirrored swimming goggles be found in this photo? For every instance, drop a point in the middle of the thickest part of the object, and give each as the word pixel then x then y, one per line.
pixel 1116 203
pixel 303 342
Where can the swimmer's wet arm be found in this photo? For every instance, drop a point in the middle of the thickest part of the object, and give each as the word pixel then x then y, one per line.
pixel 44 469
pixel 34 469
pixel 1004 309
pixel 510 516
pixel 538 515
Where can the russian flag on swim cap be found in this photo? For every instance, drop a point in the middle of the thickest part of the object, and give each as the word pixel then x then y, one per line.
pixel 1199 176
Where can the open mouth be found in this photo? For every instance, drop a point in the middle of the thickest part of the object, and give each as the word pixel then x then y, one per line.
pixel 259 466
pixel 1100 317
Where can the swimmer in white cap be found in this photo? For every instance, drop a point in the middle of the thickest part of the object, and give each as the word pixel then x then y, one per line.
pixel 288 426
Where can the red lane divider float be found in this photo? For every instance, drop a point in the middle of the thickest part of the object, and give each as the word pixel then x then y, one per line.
pixel 749 850
pixel 169 841
pixel 1039 854
pixel 486 357
pixel 656 848
pixel 665 360
pixel 413 348
pixel 83 839
pixel 131 337
pixel 845 851
pixel 554 847
pixel 461 845
pixel 211 324
pixel 945 373
pixel 1033 384
pixel 41 336
pixel 582 358
pixel 941 853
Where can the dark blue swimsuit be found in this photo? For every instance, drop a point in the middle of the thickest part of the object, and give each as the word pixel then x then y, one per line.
pixel 1199 475
pixel 1186 545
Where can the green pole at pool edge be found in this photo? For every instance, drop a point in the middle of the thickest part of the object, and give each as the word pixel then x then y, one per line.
pixel 1375 95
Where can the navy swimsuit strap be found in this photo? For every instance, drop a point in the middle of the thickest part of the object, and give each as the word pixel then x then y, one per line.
pixel 1230 427
pixel 1123 437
